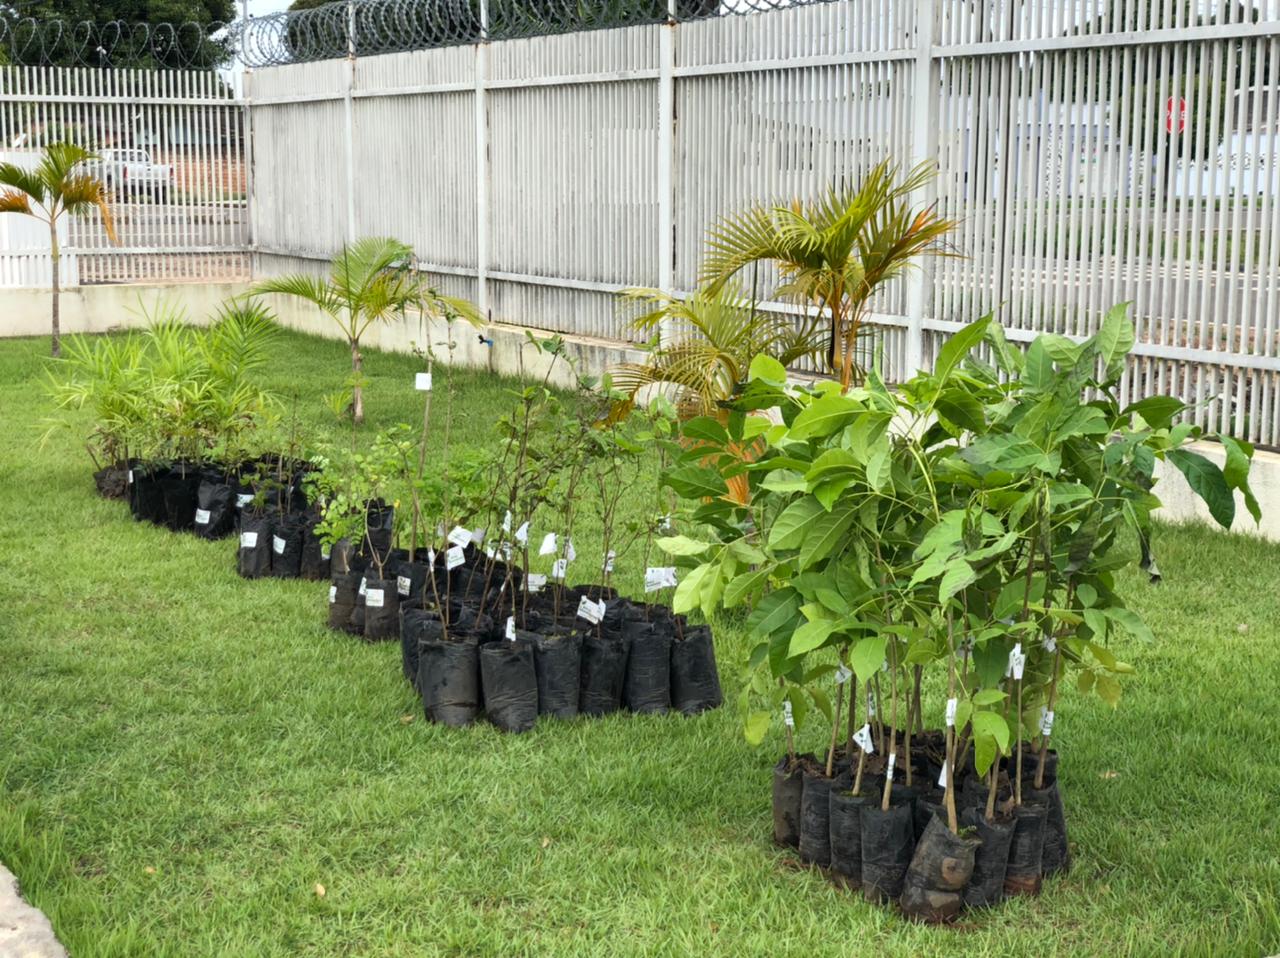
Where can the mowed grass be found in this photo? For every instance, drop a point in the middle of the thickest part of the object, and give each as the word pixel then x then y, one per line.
pixel 185 756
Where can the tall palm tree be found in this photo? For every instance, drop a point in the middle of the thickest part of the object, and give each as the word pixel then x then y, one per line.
pixel 57 186
pixel 836 252
pixel 370 281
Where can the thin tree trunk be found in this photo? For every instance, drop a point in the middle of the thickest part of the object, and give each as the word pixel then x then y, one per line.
pixel 357 391
pixel 55 264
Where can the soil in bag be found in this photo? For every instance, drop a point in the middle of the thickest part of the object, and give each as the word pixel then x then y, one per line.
pixel 941 865
pixel 815 818
pixel 1056 856
pixel 381 609
pixel 146 498
pixel 215 515
pixel 845 818
pixel 557 661
pixel 986 884
pixel 888 839
pixel 286 546
pixel 788 794
pixel 648 684
pixel 695 681
pixel 178 487
pixel 314 564
pixel 1022 876
pixel 604 673
pixel 342 599
pixel 510 684
pixel 412 582
pixel 449 680
pixel 254 558
pixel 417 626
pixel 113 481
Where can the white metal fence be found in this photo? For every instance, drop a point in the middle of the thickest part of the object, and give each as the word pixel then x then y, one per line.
pixel 178 133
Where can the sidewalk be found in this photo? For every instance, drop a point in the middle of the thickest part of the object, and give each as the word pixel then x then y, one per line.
pixel 24 931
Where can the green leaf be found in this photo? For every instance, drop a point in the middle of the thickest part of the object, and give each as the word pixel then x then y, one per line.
pixel 742 587
pixel 1038 373
pixel 959 575
pixel 775 610
pixel 957 347
pixel 1156 411
pixel 706 429
pixel 879 467
pixel 794 523
pixel 755 727
pixel 682 546
pixel 695 482
pixel 991 725
pixel 984 755
pixel 764 366
pixel 1115 340
pixel 826 415
pixel 689 591
pixel 1108 689
pixel 1010 359
pixel 987 697
pixel 1236 472
pixel 824 536
pixel 810 636
pixel 867 656
pixel 1131 622
pixel 1207 481
pixel 961 410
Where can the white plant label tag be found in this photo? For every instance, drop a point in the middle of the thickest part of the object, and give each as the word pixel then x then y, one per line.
pixel 506 522
pixel 431 557
pixel 593 612
pixel 893 760
pixel 952 705
pixel 1050 644
pixel 243 499
pixel 608 562
pixel 477 536
pixel 871 705
pixel 659 577
pixel 1046 722
pixel 511 628
pixel 559 569
pixel 788 719
pixel 535 582
pixel 488 551
pixel 364 585
pixel 942 776
pixel 130 477
pixel 248 540
pixel 522 534
pixel 373 598
pixel 278 544
pixel 403 584
pixel 506 551
pixel 333 593
pixel 548 546
pixel 1017 662
pixel 422 382
pixel 570 552
pixel 843 675
pixel 862 739
pixel 454 557
pixel 202 517
pixel 458 536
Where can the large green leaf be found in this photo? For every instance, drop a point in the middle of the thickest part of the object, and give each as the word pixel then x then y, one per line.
pixel 695 482
pixel 826 415
pixel 1156 411
pixel 742 587
pixel 682 546
pixel 793 524
pixel 1236 473
pixel 764 366
pixel 811 635
pixel 957 347
pixel 867 656
pixel 775 610
pixel 1207 481
pixel 991 725
pixel 1115 340
pixel 1038 373
pixel 959 575
pixel 706 429
pixel 822 537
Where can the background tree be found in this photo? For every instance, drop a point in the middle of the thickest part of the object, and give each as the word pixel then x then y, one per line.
pixel 53 189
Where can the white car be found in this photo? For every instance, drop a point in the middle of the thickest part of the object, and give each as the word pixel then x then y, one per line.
pixel 132 171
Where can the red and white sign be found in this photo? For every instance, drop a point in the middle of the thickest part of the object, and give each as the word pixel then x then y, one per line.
pixel 1175 115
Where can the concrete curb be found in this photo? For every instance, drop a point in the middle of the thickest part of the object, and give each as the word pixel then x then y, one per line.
pixel 25 932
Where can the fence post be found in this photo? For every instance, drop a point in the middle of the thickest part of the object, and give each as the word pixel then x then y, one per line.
pixel 924 148
pixel 349 121
pixel 483 171
pixel 666 157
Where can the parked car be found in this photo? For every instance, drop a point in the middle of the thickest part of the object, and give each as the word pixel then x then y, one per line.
pixel 134 172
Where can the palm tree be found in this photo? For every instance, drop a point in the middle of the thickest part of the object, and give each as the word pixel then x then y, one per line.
pixel 56 186
pixel 835 253
pixel 370 281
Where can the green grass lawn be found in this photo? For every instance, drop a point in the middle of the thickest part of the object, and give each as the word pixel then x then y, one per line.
pixel 185 756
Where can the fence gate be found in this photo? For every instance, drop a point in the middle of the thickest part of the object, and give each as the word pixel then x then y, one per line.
pixel 173 147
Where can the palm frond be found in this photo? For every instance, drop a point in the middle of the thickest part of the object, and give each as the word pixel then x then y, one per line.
pixel 16 201
pixel 23 181
pixel 83 192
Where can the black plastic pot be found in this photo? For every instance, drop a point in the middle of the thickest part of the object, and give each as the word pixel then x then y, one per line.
pixel 146 497
pixel 342 599
pixel 178 488
pixel 815 819
pixel 928 805
pixel 695 681
pixel 286 546
pixel 416 626
pixel 986 884
pixel 933 890
pixel 604 673
pixel 449 680
pixel 411 582
pixel 1056 856
pixel 888 840
pixel 254 557
pixel 510 684
pixel 844 815
pixel 381 522
pixel 215 514
pixel 381 609
pixel 557 660
pixel 314 564
pixel 1023 874
pixel 648 684
pixel 356 624
pixel 788 794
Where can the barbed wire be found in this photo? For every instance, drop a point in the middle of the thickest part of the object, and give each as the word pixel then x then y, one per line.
pixel 362 27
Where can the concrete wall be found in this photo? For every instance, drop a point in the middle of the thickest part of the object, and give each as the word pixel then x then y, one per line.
pixel 96 309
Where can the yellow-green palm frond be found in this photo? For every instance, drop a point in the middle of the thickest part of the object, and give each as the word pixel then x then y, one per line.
pixel 82 192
